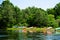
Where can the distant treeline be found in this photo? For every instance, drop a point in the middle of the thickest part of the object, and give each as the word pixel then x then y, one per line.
pixel 11 15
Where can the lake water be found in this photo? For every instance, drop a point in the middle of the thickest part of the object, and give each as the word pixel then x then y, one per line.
pixel 19 35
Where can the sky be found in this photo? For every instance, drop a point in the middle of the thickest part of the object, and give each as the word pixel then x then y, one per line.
pixel 44 4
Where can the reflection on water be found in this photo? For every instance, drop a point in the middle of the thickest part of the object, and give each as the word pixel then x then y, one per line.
pixel 17 35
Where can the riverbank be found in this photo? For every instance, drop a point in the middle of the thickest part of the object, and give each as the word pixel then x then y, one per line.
pixel 44 30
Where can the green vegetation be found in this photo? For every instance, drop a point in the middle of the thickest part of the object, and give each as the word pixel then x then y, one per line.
pixel 11 15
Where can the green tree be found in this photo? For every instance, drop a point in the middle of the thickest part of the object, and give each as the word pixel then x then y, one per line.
pixel 20 17
pixel 52 21
pixel 51 11
pixel 17 15
pixel 58 21
pixel 57 9
pixel 7 12
pixel 36 16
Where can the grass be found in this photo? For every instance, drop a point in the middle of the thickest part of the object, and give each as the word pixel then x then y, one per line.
pixel 14 29
pixel 27 29
pixel 34 29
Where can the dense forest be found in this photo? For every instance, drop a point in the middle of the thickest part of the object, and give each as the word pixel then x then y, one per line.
pixel 11 15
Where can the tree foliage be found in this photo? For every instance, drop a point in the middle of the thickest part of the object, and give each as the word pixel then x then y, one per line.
pixel 7 12
pixel 11 15
pixel 36 16
pixel 52 21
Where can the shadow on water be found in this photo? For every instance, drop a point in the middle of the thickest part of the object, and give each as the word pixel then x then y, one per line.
pixel 17 35
pixel 36 36
pixel 8 35
pixel 31 36
pixel 3 35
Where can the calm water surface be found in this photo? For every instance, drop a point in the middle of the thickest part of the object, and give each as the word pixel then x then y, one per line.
pixel 19 35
